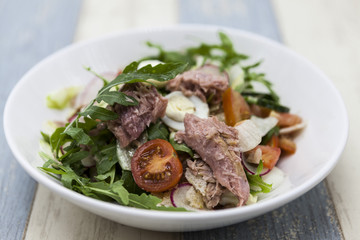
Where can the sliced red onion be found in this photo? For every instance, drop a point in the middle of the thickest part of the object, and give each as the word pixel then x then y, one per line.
pixel 62 150
pixel 91 89
pixel 252 170
pixel 178 195
pixel 70 119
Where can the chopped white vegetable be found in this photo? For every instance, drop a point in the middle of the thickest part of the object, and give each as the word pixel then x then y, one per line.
pixel 264 124
pixel 236 76
pixel 49 127
pixel 61 99
pixel 252 199
pixel 291 129
pixel 179 105
pixel 280 183
pixel 249 135
pixel 124 156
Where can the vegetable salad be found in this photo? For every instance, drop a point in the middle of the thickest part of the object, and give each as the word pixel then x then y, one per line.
pixel 128 141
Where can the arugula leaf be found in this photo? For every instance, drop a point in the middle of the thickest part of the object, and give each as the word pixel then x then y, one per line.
pixel 78 134
pixel 158 130
pixel 75 157
pixel 132 67
pixel 110 174
pixel 227 58
pixel 45 136
pixel 88 124
pixel 114 191
pixel 129 182
pixel 257 185
pixel 95 112
pixel 120 190
pixel 105 81
pixel 107 158
pixel 112 97
pixel 149 202
pixel 170 56
pixel 180 146
pixel 143 201
pixel 160 72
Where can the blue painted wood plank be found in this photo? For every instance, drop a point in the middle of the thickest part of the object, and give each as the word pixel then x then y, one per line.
pixel 30 30
pixel 255 16
pixel 313 215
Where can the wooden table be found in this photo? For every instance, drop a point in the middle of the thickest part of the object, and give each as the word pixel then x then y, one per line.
pixel 325 31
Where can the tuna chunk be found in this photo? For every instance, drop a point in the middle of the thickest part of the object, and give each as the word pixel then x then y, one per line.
pixel 133 120
pixel 205 82
pixel 200 175
pixel 217 145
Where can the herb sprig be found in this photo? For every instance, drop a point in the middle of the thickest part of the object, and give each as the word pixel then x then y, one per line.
pixel 74 142
pixel 225 54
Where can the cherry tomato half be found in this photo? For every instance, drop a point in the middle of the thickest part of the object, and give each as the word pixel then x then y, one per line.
pixel 235 107
pixel 155 166
pixel 270 155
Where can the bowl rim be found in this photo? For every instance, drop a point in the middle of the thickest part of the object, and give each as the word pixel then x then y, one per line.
pixel 255 209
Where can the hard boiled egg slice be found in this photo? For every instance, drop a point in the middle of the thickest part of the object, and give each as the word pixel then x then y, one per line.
pixel 179 105
pixel 153 63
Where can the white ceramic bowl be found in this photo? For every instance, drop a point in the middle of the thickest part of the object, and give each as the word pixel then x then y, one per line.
pixel 300 84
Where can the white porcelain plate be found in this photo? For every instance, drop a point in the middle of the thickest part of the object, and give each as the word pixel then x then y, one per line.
pixel 299 83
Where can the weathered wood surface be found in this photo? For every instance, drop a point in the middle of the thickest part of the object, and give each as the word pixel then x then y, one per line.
pixel 310 217
pixel 30 30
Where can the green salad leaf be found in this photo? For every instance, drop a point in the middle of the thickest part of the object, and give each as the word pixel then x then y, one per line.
pixel 111 97
pixel 158 130
pixel 257 185
pixel 182 147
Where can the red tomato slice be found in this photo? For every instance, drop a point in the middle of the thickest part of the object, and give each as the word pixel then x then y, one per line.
pixel 274 141
pixel 155 166
pixel 235 107
pixel 270 155
pixel 287 145
pixel 287 119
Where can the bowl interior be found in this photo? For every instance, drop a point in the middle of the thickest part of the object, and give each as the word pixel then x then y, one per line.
pixel 300 85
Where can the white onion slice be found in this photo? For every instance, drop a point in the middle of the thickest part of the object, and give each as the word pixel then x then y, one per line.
pixel 291 129
pixel 249 135
pixel 264 124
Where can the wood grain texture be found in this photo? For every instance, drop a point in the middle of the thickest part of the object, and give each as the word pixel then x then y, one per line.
pixel 329 36
pixel 312 216
pixel 57 219
pixel 30 30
